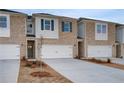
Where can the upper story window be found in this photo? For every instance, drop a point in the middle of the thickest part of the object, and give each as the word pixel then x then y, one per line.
pixel 101 28
pixel 3 21
pixel 104 28
pixel 47 24
pixel 29 28
pixel 98 28
pixel 101 31
pixel 67 26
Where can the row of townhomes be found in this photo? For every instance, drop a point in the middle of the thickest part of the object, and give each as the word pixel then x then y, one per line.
pixel 49 36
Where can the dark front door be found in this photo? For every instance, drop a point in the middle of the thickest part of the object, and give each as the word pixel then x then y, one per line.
pixel 118 51
pixel 31 49
pixel 80 49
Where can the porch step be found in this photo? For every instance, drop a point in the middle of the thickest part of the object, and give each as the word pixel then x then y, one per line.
pixel 31 59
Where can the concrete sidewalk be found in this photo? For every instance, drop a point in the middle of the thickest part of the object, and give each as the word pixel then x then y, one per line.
pixel 80 71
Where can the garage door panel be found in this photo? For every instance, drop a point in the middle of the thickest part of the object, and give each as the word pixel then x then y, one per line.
pixel 56 51
pixel 8 51
pixel 100 51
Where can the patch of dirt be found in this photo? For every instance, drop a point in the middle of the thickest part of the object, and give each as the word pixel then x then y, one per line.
pixel 43 73
pixel 105 63
pixel 40 74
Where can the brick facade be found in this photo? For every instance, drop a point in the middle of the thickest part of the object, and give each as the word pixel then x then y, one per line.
pixel 17 33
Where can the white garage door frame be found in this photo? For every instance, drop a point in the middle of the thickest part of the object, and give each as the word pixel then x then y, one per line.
pixel 56 51
pixel 9 51
pixel 99 51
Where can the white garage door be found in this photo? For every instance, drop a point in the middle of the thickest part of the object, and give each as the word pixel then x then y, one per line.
pixel 57 51
pixel 99 51
pixel 9 51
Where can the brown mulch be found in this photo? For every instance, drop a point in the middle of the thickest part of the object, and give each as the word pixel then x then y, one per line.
pixel 37 74
pixel 41 74
pixel 109 64
pixel 32 64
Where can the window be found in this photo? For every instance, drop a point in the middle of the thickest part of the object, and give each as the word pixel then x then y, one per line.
pixel 101 28
pixel 66 26
pixel 3 21
pixel 101 31
pixel 104 28
pixel 29 28
pixel 98 28
pixel 47 24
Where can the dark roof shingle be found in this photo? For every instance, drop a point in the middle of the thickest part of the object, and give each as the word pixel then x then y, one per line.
pixel 6 10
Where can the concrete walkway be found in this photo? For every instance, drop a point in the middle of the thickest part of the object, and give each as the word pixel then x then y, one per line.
pixel 9 70
pixel 80 71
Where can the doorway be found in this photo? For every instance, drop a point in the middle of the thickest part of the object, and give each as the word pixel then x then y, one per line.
pixel 80 50
pixel 118 51
pixel 31 49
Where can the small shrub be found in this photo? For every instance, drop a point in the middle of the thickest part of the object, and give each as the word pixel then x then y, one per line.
pixel 28 65
pixel 93 59
pixel 38 63
pixel 33 64
pixel 77 57
pixel 108 60
pixel 121 57
pixel 24 58
pixel 102 61
pixel 99 61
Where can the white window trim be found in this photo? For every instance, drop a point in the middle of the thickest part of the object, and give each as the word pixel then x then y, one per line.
pixel 50 23
pixel 5 32
pixel 53 34
pixel 101 32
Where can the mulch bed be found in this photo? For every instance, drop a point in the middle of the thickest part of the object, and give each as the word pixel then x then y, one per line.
pixel 32 64
pixel 105 63
pixel 39 72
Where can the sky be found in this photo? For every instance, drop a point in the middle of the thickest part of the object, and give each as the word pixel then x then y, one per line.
pixel 113 15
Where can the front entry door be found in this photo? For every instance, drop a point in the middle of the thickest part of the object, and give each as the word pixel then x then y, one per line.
pixel 31 49
pixel 80 49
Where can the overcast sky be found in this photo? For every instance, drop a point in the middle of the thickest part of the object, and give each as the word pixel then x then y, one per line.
pixel 114 15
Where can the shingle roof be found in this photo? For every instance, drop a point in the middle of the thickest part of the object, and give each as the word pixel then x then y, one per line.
pixel 47 14
pixel 82 18
pixel 6 10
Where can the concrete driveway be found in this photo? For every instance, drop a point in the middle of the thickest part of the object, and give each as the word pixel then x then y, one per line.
pixel 9 71
pixel 80 71
pixel 118 61
pixel 113 60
